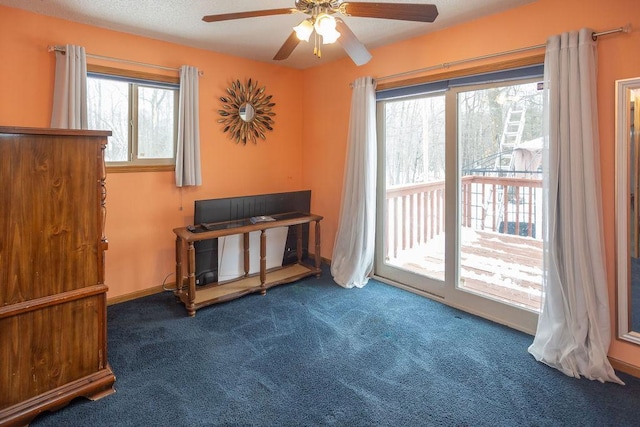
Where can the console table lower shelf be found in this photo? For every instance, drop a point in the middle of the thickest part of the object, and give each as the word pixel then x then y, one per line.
pixel 194 297
pixel 217 293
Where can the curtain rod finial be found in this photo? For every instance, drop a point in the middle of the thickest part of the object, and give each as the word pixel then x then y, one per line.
pixel 54 48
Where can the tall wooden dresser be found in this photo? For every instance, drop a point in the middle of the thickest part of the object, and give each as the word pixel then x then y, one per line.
pixel 53 329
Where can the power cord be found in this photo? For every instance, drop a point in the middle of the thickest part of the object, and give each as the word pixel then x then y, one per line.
pixel 164 283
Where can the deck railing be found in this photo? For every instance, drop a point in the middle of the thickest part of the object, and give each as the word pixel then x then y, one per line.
pixel 416 212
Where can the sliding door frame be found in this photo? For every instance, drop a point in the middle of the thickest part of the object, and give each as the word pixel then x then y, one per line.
pixel 446 291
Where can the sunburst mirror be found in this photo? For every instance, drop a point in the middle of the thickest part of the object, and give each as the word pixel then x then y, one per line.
pixel 247 112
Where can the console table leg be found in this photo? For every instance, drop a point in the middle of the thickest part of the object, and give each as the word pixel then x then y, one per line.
pixel 247 262
pixel 178 290
pixel 191 268
pixel 263 260
pixel 318 258
pixel 299 242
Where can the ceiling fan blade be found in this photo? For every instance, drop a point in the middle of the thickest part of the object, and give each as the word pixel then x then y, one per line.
pixel 400 11
pixel 250 14
pixel 350 43
pixel 288 46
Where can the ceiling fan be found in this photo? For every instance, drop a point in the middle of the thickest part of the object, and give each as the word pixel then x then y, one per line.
pixel 326 28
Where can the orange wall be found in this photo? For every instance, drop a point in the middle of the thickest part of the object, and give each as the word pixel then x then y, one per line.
pixel 143 208
pixel 328 87
pixel 305 150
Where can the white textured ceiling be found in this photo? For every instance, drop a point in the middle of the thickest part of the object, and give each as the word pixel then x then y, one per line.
pixel 259 38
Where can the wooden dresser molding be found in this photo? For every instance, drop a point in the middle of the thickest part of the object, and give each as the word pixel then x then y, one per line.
pixel 39 303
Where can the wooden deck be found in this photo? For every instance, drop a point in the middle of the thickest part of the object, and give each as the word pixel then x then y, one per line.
pixel 500 266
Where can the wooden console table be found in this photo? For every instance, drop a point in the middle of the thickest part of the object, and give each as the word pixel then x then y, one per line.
pixel 201 296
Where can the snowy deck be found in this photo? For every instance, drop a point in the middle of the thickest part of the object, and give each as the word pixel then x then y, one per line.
pixel 502 266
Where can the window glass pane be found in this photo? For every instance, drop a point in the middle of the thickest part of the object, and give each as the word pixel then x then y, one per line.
pixel 108 109
pixel 415 185
pixel 500 156
pixel 155 123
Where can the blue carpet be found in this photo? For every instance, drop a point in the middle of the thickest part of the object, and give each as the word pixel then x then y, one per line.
pixel 311 353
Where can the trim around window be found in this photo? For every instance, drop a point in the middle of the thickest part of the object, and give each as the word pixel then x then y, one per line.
pixel 140 168
pixel 138 75
pixel 447 75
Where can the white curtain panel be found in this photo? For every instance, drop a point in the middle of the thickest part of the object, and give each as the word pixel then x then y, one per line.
pixel 188 149
pixel 70 89
pixel 353 251
pixel 573 333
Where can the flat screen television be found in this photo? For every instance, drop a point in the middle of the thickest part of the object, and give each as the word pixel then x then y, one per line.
pixel 231 208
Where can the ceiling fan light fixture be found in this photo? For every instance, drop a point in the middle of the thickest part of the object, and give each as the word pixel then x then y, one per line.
pixel 304 30
pixel 330 37
pixel 325 24
pixel 323 18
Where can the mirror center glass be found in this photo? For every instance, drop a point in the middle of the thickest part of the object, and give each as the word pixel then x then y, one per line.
pixel 247 112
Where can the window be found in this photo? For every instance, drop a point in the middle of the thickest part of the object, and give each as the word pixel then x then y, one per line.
pixel 141 113
pixel 460 197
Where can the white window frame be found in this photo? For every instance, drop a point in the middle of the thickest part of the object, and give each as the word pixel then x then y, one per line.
pixel 136 80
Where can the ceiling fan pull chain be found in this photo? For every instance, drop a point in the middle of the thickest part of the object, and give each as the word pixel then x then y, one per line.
pixel 315 44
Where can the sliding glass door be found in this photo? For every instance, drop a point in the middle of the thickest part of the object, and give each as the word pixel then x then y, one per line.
pixel 460 200
pixel 500 185
pixel 414 171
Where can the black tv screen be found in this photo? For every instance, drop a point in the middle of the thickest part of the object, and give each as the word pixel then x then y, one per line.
pixel 231 208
